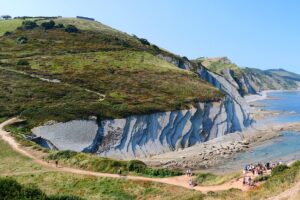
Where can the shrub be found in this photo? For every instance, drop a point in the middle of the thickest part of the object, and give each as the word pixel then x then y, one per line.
pixel 27 25
pixel 144 41
pixel 156 48
pixel 7 33
pixel 136 166
pixel 71 29
pixel 296 164
pixel 203 177
pixel 261 178
pixel 67 154
pixel 161 172
pixel 22 40
pixel 23 62
pixel 48 25
pixel 278 169
pixel 60 26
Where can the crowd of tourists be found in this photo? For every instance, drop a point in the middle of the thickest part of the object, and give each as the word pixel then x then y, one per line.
pixel 258 169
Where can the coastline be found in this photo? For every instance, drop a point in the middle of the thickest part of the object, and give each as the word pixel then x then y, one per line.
pixel 207 156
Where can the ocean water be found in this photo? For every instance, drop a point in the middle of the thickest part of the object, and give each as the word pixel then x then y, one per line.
pixel 288 102
pixel 284 148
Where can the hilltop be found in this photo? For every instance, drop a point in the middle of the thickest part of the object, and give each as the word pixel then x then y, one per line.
pixel 251 80
pixel 97 71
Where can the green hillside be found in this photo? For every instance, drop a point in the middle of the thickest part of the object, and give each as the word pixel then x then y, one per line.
pixel 9 25
pixel 219 64
pixel 98 71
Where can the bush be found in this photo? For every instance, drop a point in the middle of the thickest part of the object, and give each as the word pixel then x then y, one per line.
pixel 261 178
pixel 22 40
pixel 203 177
pixel 27 25
pixel 23 62
pixel 296 164
pixel 67 154
pixel 278 169
pixel 161 172
pixel 144 41
pixel 48 25
pixel 7 33
pixel 60 26
pixel 71 29
pixel 136 166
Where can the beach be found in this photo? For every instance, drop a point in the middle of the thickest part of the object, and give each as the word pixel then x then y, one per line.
pixel 208 155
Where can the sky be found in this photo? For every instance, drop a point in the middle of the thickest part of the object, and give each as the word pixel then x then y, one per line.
pixel 252 33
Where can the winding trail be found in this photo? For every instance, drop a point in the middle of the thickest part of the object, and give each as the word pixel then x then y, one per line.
pixel 181 181
pixel 56 81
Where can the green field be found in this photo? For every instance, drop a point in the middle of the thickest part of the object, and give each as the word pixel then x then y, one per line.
pixel 9 25
pixel 26 172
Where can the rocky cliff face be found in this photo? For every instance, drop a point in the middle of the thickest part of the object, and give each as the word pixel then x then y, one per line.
pixel 141 136
pixel 251 80
pixel 145 135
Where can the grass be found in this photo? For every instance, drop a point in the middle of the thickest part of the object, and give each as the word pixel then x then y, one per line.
pixel 22 169
pixel 133 79
pixel 107 165
pixel 277 183
pixel 12 162
pixel 9 25
pixel 207 179
pixel 26 172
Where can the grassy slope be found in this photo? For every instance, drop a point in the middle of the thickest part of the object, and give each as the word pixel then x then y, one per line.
pixel 9 25
pixel 26 172
pixel 217 65
pixel 100 59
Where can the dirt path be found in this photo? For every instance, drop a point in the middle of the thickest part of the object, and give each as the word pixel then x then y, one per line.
pixel 181 181
pixel 291 193
pixel 56 81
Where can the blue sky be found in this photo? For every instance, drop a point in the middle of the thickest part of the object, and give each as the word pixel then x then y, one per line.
pixel 253 33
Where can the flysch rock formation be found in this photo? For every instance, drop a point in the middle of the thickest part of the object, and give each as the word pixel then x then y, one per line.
pixel 146 135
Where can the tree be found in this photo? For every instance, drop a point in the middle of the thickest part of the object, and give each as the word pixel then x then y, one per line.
pixel 144 41
pixel 27 25
pixel 6 17
pixel 71 29
pixel 48 25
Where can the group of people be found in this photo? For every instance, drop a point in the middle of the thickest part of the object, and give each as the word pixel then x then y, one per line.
pixel 258 169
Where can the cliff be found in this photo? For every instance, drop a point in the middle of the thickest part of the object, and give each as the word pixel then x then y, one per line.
pixel 145 135
pixel 251 80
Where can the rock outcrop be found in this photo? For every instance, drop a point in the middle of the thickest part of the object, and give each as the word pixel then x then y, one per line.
pixel 156 133
pixel 145 135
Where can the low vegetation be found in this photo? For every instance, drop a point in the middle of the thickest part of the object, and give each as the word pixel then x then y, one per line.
pixel 122 71
pixel 99 164
pixel 26 172
pixel 12 190
pixel 212 179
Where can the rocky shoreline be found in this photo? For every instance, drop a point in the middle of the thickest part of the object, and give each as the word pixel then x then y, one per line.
pixel 214 152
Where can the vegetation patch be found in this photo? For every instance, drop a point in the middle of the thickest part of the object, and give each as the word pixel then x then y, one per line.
pixel 90 65
pixel 212 179
pixel 12 190
pixel 107 165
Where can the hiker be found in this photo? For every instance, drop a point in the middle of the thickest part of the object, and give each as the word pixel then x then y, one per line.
pixel 56 163
pixel 191 184
pixel 249 181
pixel 120 172
pixel 244 181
